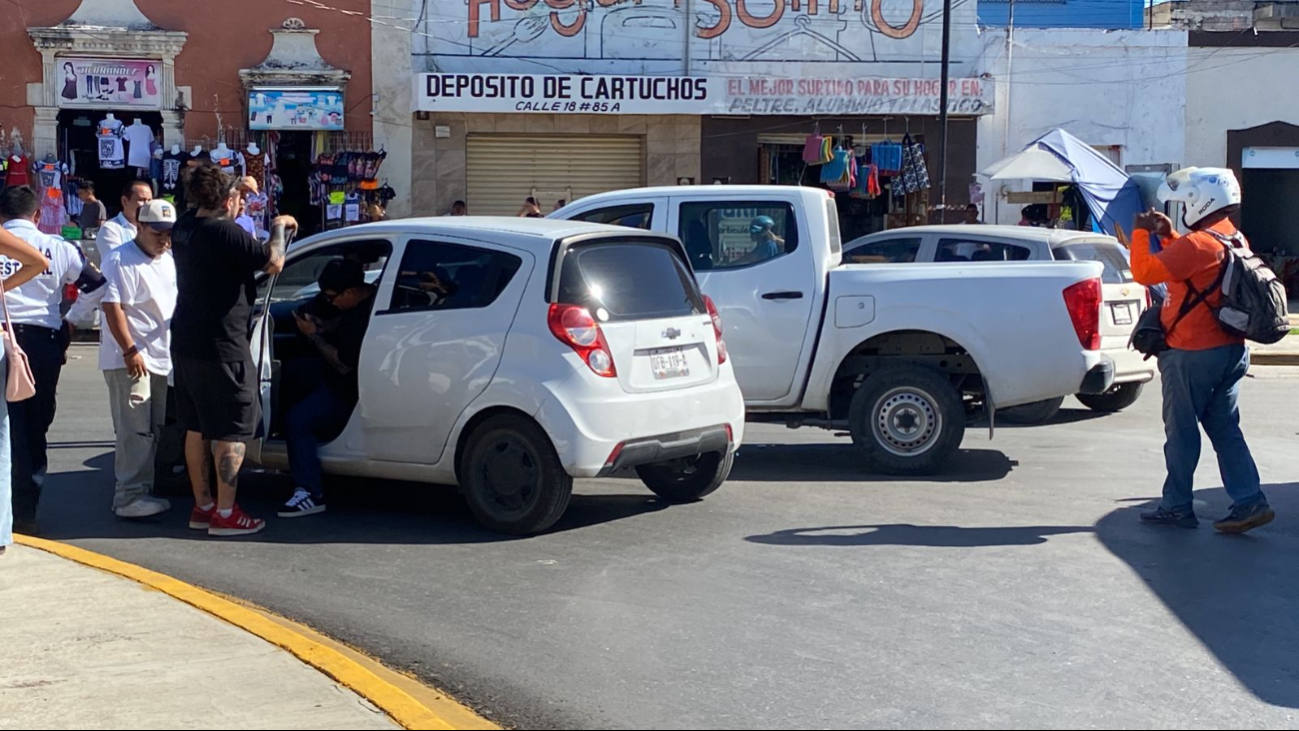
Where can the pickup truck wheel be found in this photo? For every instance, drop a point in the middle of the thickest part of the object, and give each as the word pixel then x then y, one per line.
pixel 1117 398
pixel 1038 412
pixel 512 477
pixel 688 479
pixel 907 421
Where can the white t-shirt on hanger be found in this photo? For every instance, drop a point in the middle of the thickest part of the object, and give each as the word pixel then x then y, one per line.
pixel 141 139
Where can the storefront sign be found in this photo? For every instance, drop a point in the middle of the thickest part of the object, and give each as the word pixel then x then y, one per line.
pixel 109 82
pixel 562 94
pixel 295 109
pixel 571 94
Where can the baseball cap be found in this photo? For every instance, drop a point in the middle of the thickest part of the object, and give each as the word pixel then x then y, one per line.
pixel 158 215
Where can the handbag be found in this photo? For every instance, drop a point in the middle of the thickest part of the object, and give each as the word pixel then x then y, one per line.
pixel 1149 336
pixel 21 384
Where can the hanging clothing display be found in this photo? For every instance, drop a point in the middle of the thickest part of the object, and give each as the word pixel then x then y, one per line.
pixel 915 175
pixel 112 154
pixel 256 167
pixel 172 164
pixel 887 156
pixel 17 171
pixel 49 177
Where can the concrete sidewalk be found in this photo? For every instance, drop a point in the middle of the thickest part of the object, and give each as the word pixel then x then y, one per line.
pixel 1284 353
pixel 81 648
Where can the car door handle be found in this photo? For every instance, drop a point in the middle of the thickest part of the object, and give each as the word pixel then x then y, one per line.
pixel 783 296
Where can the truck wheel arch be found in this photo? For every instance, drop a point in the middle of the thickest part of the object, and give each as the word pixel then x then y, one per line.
pixel 921 347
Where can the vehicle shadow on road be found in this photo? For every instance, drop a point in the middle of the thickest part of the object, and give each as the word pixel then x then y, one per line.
pixel 76 506
pixel 1064 416
pixel 903 534
pixel 1238 594
pixel 843 463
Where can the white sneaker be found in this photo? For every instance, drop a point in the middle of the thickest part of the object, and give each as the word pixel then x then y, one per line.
pixel 143 507
pixel 301 504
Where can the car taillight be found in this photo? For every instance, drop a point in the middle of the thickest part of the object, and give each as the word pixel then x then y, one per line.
pixel 717 328
pixel 1083 301
pixel 574 327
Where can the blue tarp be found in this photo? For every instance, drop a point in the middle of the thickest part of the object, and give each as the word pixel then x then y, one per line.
pixel 1113 197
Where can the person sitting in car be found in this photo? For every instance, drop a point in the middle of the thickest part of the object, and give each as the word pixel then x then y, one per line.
pixel 337 332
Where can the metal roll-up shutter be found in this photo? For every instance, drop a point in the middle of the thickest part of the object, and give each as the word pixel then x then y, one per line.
pixel 504 170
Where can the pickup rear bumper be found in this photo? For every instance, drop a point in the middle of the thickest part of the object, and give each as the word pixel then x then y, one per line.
pixel 1099 379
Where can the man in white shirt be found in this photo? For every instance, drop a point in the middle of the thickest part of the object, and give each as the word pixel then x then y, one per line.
pixel 120 229
pixel 38 328
pixel 135 356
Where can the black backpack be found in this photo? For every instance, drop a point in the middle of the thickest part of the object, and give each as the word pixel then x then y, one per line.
pixel 1253 299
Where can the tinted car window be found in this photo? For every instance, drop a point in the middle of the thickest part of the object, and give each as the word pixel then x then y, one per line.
pixel 734 234
pixel 628 281
pixel 1117 269
pixel 888 251
pixel 639 215
pixel 977 250
pixel 438 276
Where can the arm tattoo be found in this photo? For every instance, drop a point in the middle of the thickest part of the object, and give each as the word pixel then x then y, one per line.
pixel 277 244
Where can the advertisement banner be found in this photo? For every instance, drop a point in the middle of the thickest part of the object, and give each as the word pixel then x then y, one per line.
pixel 579 94
pixel 296 109
pixel 110 82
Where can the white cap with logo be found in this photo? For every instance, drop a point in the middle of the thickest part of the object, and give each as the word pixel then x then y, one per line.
pixel 158 215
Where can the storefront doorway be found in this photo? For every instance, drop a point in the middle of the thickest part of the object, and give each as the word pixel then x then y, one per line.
pixel 79 149
pixel 294 164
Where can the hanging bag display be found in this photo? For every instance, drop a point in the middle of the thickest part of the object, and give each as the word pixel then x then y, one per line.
pixel 21 384
pixel 887 156
pixel 833 171
pixel 915 176
pixel 814 149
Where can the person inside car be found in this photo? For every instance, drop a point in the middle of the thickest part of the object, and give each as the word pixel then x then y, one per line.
pixel 767 245
pixel 337 336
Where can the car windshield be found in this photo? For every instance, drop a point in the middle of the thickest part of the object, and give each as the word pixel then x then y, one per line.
pixel 1111 256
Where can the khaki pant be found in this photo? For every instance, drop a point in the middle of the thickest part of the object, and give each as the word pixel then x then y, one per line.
pixel 139 407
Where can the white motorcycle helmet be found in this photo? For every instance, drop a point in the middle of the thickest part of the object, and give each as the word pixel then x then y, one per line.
pixel 1201 191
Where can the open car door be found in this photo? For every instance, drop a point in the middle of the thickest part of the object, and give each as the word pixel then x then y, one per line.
pixel 263 360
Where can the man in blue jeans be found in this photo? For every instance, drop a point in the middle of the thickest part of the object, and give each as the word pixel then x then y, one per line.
pixel 1204 365
pixel 323 414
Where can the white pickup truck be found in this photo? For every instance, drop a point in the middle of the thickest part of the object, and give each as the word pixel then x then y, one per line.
pixel 898 355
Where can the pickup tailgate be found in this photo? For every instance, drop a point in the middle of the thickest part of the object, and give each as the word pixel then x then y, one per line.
pixel 1012 318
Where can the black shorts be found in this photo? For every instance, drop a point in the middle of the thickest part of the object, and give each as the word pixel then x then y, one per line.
pixel 220 400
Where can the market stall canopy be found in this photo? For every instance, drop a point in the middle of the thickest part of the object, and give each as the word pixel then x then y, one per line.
pixel 1034 163
pixel 1059 157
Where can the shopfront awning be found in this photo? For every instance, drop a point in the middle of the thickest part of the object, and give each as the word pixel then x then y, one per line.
pixel 1035 163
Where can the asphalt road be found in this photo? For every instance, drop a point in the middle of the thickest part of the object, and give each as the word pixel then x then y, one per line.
pixel 1016 590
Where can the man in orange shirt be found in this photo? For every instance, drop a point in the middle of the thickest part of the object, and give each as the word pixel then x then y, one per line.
pixel 1204 365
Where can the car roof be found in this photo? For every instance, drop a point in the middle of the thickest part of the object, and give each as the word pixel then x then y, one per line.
pixel 702 191
pixel 538 234
pixel 1053 237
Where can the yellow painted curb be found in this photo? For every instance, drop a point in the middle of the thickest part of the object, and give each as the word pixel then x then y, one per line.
pixel 367 677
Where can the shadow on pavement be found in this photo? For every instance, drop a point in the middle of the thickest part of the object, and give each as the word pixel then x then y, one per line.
pixel 1064 416
pixel 76 506
pixel 1238 594
pixel 843 463
pixel 901 534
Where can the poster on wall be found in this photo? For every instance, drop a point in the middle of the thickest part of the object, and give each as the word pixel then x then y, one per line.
pixel 747 95
pixel 110 82
pixel 296 109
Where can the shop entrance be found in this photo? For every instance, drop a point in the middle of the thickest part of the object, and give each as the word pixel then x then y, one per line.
pixel 294 164
pixel 79 149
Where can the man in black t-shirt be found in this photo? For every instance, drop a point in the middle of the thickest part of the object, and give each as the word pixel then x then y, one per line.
pixel 218 390
pixel 324 412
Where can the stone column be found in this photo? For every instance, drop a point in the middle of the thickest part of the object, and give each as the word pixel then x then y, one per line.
pixel 46 132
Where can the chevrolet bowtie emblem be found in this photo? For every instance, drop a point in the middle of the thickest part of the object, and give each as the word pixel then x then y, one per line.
pixel 672 333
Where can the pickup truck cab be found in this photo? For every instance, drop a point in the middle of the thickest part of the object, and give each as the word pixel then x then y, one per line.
pixel 898 355
pixel 1124 299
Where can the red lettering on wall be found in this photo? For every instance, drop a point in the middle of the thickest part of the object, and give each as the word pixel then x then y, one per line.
pixel 520 5
pixel 473 14
pixel 723 20
pixel 753 21
pixel 905 30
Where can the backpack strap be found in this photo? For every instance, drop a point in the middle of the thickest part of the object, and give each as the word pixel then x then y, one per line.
pixel 1198 297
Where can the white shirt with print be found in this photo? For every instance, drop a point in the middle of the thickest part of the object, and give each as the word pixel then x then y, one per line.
pixel 37 302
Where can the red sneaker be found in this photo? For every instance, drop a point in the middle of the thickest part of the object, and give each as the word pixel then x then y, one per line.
pixel 238 524
pixel 200 519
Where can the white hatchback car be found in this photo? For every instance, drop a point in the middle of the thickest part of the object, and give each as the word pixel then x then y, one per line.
pixel 509 356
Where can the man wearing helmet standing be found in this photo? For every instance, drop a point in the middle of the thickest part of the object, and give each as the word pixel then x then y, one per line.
pixel 1204 365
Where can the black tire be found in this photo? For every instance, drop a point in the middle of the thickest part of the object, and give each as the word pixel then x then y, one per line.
pixel 689 479
pixel 512 478
pixel 907 420
pixel 1038 412
pixel 1117 398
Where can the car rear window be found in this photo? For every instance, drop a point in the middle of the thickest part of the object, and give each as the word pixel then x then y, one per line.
pixel 1117 268
pixel 628 281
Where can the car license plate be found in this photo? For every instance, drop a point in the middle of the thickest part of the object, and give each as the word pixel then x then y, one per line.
pixel 669 363
pixel 1122 312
